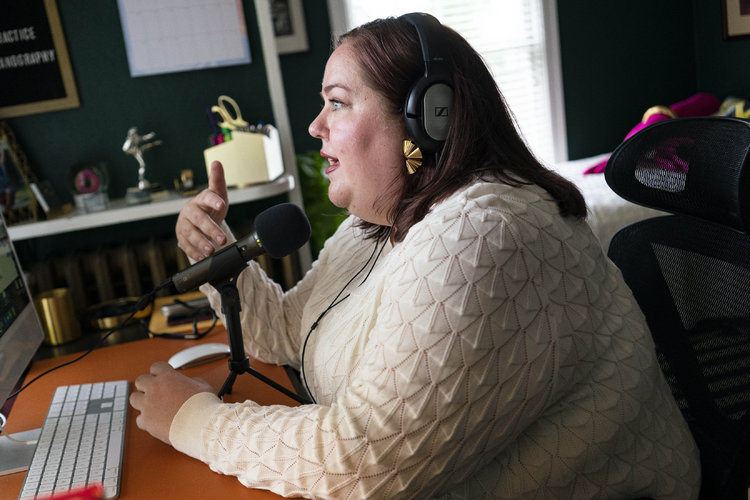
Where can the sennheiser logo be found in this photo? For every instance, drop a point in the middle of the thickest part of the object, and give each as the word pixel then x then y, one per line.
pixel 441 111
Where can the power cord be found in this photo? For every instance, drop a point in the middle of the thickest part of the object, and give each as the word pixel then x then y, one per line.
pixel 3 420
pixel 142 303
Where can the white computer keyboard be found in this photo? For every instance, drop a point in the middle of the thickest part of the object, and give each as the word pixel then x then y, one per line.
pixel 81 441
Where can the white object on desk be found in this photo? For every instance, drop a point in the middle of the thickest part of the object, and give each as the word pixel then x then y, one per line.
pixel 81 442
pixel 199 354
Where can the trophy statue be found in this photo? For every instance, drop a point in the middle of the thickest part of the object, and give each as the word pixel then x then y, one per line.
pixel 135 145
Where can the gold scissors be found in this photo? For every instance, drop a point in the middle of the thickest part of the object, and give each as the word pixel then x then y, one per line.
pixel 231 120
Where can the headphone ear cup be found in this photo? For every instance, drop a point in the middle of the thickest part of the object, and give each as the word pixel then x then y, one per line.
pixel 427 113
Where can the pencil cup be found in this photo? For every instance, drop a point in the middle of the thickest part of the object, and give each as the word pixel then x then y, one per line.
pixel 248 158
pixel 58 316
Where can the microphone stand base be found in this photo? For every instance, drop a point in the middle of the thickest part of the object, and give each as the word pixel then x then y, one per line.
pixel 239 363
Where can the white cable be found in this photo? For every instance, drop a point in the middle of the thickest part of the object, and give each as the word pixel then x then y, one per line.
pixel 3 419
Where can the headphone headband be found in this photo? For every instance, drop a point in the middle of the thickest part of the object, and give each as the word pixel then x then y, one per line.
pixel 430 40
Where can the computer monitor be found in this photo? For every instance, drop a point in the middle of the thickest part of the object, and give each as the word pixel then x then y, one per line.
pixel 20 336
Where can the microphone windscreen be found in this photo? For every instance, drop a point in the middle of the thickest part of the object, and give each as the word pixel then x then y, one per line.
pixel 282 229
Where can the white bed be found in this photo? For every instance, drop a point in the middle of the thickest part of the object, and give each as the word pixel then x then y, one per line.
pixel 608 213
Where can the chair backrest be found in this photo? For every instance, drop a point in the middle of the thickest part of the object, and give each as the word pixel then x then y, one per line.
pixel 690 273
pixel 692 166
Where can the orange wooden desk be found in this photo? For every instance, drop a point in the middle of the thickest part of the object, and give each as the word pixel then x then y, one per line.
pixel 151 469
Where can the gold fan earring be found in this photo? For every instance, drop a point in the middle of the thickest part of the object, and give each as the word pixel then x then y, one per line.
pixel 412 155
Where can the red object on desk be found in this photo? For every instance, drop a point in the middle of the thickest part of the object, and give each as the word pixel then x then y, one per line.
pixel 92 492
pixel 151 468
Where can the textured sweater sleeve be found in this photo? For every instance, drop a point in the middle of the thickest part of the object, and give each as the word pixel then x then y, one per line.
pixel 464 351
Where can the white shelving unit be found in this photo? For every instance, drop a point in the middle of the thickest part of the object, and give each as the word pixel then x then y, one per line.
pixel 280 109
pixel 118 212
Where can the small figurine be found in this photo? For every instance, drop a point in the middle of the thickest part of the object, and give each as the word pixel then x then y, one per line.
pixel 135 145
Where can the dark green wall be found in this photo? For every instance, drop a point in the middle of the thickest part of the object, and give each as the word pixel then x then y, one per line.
pixel 618 59
pixel 722 64
pixel 173 105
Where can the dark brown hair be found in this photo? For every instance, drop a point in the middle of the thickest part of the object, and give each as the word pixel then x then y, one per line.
pixel 482 141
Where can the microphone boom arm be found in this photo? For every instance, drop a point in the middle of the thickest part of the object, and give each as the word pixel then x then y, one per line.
pixel 226 263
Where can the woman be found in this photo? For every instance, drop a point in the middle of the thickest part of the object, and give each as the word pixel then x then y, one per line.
pixel 461 334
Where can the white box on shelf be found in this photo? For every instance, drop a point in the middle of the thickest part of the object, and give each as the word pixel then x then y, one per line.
pixel 249 157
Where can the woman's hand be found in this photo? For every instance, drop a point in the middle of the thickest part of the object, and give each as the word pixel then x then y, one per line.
pixel 159 395
pixel 198 227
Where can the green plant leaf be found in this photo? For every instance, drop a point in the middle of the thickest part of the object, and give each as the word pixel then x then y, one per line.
pixel 324 216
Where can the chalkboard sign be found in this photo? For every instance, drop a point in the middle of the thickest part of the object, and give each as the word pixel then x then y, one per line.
pixel 35 72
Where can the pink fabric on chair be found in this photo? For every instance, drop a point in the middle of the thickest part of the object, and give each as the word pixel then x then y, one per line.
pixel 700 104
pixel 656 117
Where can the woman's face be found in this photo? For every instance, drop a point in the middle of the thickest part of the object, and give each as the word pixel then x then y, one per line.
pixel 361 139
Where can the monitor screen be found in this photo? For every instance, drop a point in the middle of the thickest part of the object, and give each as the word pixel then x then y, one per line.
pixel 20 329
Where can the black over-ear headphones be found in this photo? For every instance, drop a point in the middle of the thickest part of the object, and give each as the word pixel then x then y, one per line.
pixel 430 100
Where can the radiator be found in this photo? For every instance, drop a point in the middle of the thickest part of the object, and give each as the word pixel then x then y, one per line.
pixel 108 273
pixel 130 269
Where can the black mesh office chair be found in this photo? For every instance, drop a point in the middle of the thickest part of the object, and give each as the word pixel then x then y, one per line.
pixel 690 273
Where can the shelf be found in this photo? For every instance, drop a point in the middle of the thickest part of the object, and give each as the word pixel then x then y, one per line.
pixel 118 212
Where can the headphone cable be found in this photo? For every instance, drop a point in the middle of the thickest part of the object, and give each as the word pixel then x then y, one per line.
pixel 336 301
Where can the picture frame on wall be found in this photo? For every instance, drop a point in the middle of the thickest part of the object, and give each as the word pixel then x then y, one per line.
pixel 289 26
pixel 736 18
pixel 37 75
pixel 153 50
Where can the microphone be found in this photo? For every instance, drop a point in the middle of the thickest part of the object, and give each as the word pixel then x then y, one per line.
pixel 278 231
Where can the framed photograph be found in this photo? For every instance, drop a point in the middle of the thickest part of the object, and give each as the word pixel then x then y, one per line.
pixel 289 26
pixel 736 18
pixel 17 201
pixel 34 62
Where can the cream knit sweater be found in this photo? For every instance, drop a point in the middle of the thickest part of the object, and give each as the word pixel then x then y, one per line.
pixel 494 353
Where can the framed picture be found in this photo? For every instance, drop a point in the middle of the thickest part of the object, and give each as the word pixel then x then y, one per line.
pixel 154 51
pixel 34 62
pixel 17 201
pixel 736 18
pixel 289 26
